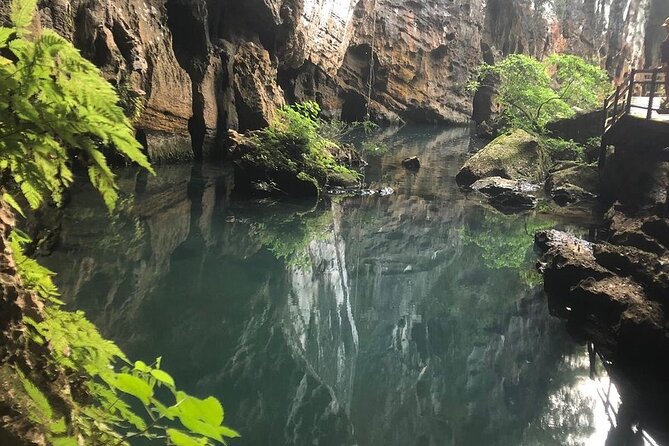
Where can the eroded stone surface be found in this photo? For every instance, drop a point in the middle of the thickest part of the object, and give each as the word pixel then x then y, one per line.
pixel 184 55
pixel 507 194
pixel 617 291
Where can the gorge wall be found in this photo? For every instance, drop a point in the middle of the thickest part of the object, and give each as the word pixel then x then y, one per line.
pixel 205 66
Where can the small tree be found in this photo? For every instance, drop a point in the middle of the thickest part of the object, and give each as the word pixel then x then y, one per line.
pixel 533 92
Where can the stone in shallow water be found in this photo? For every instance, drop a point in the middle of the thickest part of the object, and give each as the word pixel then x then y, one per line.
pixel 507 194
pixel 573 182
pixel 517 156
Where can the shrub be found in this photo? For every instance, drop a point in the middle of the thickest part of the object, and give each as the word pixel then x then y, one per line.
pixel 293 143
pixel 564 150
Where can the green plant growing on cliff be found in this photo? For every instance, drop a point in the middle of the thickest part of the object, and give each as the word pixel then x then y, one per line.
pixel 293 143
pixel 55 106
pixel 56 110
pixel 533 92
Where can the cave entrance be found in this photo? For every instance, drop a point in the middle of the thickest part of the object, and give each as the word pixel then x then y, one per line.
pixel 354 107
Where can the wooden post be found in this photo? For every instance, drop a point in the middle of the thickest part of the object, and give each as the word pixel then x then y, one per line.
pixel 631 92
pixel 605 129
pixel 653 88
pixel 615 104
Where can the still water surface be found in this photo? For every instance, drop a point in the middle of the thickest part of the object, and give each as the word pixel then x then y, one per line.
pixel 410 319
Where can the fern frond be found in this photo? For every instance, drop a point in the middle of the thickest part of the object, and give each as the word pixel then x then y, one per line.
pixel 22 14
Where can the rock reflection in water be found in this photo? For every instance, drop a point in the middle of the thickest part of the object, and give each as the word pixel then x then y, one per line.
pixel 397 320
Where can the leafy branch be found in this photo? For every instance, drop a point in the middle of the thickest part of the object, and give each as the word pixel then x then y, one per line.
pixel 55 106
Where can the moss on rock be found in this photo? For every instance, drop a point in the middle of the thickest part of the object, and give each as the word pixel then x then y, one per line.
pixel 291 154
pixel 514 156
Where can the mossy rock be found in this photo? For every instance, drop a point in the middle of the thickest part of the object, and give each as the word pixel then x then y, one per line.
pixel 585 176
pixel 573 182
pixel 515 156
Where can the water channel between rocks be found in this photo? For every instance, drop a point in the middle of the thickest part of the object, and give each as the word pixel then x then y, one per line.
pixel 409 319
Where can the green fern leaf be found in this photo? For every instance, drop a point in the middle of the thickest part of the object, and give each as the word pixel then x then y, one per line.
pixel 22 14
pixel 5 35
pixel 12 203
pixel 42 413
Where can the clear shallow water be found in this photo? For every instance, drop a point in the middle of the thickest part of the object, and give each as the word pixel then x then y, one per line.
pixel 413 319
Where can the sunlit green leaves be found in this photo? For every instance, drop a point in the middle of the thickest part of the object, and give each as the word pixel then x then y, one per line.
pixel 533 92
pixel 203 417
pixel 22 13
pixel 34 276
pixel 179 438
pixel 12 203
pixel 163 377
pixel 48 115
pixel 134 386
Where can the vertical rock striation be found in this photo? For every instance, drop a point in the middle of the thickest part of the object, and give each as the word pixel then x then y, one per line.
pixel 204 66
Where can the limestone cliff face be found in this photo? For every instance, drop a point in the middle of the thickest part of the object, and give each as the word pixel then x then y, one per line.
pixel 204 66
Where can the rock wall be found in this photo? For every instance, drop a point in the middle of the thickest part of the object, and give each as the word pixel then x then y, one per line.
pixel 204 66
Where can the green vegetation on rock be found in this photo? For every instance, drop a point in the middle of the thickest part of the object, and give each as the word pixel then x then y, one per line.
pixel 516 156
pixel 293 147
pixel 62 383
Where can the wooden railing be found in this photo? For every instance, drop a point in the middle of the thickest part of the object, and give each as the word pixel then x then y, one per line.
pixel 638 83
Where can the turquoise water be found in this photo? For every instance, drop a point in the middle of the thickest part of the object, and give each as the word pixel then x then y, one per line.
pixel 410 319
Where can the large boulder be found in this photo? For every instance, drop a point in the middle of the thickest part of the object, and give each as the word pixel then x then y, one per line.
pixel 573 182
pixel 515 156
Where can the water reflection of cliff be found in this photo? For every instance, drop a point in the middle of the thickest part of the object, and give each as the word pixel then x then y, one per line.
pixel 364 321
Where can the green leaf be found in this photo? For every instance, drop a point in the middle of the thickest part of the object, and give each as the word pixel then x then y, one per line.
pixel 43 412
pixel 5 35
pixel 58 427
pixel 64 441
pixel 163 377
pixel 179 438
pixel 166 412
pixel 12 203
pixel 201 416
pixel 22 13
pixel 208 410
pixel 229 433
pixel 134 386
pixel 141 366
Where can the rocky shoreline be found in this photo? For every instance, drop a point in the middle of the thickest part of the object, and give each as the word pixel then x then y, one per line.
pixel 613 293
pixel 612 289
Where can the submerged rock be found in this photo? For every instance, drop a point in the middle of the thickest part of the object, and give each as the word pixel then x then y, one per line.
pixel 516 156
pixel 507 195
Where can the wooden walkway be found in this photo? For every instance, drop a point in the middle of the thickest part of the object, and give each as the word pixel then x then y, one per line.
pixel 636 103
pixel 640 105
